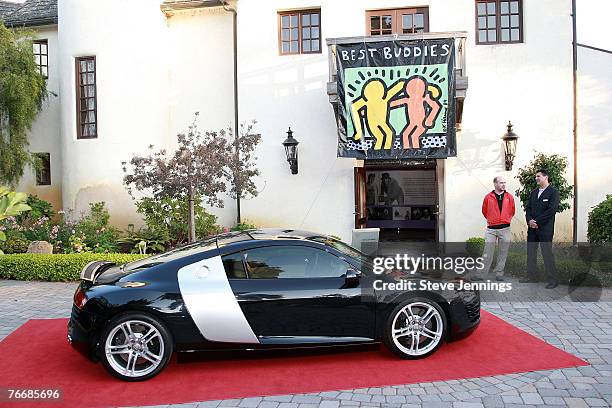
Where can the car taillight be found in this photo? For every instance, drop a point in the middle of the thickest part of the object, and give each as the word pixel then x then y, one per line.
pixel 79 298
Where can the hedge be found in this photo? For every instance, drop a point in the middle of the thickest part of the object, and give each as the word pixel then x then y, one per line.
pixel 475 246
pixel 54 267
pixel 516 265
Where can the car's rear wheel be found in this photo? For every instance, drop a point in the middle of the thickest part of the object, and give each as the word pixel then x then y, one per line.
pixel 136 347
pixel 415 328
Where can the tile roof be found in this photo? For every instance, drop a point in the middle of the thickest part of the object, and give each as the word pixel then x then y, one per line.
pixel 33 13
pixel 7 7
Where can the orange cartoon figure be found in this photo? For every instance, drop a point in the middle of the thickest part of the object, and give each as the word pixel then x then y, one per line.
pixel 373 104
pixel 418 96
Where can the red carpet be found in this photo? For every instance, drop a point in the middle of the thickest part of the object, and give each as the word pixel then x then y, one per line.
pixel 37 355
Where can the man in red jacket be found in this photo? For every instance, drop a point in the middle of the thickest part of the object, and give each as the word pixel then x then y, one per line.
pixel 498 209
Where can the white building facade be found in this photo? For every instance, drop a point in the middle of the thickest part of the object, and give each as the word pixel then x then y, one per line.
pixel 155 64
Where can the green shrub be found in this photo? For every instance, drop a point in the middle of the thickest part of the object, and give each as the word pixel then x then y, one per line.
pixel 60 233
pixel 568 267
pixel 154 241
pixel 32 225
pixel 30 229
pixel 475 246
pixel 168 217
pixel 15 244
pixel 91 232
pixel 38 208
pixel 556 165
pixel 600 222
pixel 54 267
pixel 243 226
pixel 11 205
pixel 95 231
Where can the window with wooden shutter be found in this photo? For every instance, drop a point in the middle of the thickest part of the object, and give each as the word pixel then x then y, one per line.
pixel 86 98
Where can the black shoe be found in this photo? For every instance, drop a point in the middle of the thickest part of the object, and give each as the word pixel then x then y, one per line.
pixel 552 285
pixel 528 280
pixel 499 278
pixel 476 279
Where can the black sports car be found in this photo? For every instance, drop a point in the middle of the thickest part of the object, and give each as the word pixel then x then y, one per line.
pixel 253 290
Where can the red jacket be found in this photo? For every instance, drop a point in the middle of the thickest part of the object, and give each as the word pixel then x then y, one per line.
pixel 490 209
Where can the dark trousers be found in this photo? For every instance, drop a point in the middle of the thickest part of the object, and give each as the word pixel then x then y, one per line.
pixel 543 239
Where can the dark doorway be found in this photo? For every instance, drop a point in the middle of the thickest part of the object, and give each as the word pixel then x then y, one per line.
pixel 401 199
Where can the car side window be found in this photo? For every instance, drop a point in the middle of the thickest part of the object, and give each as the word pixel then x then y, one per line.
pixel 328 266
pixel 286 262
pixel 234 268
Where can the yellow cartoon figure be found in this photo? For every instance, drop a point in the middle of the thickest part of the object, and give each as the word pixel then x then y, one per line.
pixel 373 104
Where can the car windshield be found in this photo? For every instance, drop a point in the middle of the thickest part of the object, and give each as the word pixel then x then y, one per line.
pixel 344 248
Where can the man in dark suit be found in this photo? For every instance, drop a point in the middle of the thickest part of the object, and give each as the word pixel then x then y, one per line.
pixel 540 214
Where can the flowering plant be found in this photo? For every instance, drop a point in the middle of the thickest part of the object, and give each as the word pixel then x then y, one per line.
pixel 66 232
pixel 77 244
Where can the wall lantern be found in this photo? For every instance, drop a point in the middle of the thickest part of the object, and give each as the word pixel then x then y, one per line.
pixel 291 150
pixel 510 139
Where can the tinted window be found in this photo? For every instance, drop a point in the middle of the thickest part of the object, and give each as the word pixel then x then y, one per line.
pixel 234 268
pixel 345 249
pixel 328 266
pixel 293 262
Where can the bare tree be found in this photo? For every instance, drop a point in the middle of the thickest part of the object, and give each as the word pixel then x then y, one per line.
pixel 197 167
pixel 241 168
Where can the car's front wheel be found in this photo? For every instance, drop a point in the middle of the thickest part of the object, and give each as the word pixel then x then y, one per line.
pixel 415 328
pixel 136 347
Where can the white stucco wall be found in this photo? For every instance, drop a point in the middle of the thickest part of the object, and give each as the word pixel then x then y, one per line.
pixel 154 72
pixel 283 91
pixel 529 84
pixel 595 132
pixel 200 59
pixel 594 109
pixel 132 96
pixel 44 136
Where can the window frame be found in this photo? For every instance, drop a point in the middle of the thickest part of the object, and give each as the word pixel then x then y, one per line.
pixel 39 173
pixel 40 42
pixel 299 13
pixel 243 254
pixel 498 27
pixel 396 13
pixel 79 98
pixel 244 264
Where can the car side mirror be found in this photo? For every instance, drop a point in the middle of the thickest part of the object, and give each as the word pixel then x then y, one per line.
pixel 352 277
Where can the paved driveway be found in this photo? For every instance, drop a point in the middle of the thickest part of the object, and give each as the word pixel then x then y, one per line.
pixel 583 329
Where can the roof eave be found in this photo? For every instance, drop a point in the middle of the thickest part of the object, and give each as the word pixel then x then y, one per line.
pixel 35 22
pixel 169 8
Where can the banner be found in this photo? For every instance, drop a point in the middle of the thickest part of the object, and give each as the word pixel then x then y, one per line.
pixel 396 99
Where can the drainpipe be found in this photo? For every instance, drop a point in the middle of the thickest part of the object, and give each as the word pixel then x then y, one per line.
pixel 233 10
pixel 575 79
